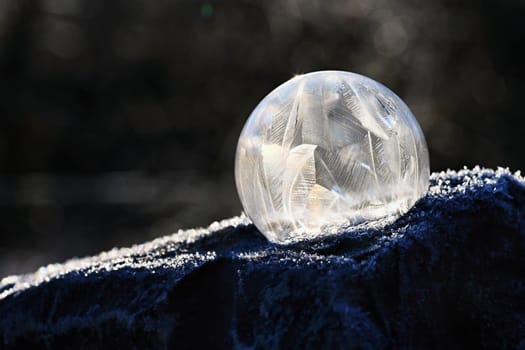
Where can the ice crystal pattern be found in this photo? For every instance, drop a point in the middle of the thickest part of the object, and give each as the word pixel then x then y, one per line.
pixel 326 149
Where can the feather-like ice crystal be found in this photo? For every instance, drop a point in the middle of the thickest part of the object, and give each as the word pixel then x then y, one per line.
pixel 328 148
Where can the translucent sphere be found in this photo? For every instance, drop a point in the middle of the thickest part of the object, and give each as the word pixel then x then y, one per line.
pixel 325 149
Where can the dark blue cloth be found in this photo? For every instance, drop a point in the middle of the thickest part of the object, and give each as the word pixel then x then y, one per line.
pixel 450 273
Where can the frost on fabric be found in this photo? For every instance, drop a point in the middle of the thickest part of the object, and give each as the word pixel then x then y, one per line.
pixel 445 274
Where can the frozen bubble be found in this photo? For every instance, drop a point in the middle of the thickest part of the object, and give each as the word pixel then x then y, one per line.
pixel 328 148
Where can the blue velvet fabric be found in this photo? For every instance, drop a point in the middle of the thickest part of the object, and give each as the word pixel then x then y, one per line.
pixel 450 273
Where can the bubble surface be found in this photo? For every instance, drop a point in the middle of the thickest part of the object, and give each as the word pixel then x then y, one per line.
pixel 325 149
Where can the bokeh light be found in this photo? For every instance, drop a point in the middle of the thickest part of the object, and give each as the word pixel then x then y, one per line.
pixel 120 118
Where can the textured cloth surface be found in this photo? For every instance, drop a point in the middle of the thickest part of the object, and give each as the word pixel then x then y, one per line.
pixel 449 273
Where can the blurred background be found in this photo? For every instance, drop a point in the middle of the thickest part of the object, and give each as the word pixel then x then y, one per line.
pixel 120 118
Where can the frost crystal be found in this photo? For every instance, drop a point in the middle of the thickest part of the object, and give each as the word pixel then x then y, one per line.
pixel 325 149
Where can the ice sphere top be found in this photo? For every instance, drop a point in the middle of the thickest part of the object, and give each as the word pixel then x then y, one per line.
pixel 328 148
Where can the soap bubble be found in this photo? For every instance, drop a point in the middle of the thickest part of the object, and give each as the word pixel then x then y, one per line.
pixel 325 149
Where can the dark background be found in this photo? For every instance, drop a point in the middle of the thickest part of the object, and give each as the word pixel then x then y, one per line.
pixel 120 118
